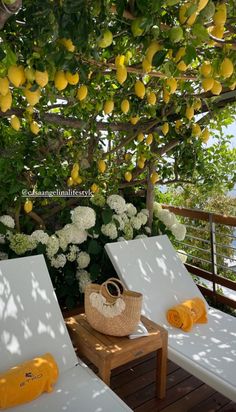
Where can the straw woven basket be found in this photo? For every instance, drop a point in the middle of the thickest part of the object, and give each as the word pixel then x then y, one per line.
pixel 112 314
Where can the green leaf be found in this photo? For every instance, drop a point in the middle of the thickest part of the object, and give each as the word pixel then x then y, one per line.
pixel 120 7
pixel 94 248
pixel 190 55
pixel 200 32
pixel 107 216
pixel 159 58
pixel 94 271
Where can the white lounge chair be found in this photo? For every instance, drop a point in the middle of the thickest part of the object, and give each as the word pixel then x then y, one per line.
pixel 31 324
pixel 152 266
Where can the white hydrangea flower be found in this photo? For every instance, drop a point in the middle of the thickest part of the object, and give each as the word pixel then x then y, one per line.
pixel 142 217
pixel 140 236
pixel 72 254
pixel 145 212
pixel 63 243
pixel 119 219
pixel 110 230
pixel 7 220
pixel 40 236
pixel 156 208
pixel 21 243
pixel 59 261
pixel 125 218
pixel 167 217
pixel 83 260
pixel 84 217
pixel 179 231
pixel 131 209
pixel 135 222
pixel 52 246
pixel 147 230
pixel 128 232
pixel 83 277
pixel 72 234
pixel 3 256
pixel 98 200
pixel 182 255
pixel 2 239
pixel 117 203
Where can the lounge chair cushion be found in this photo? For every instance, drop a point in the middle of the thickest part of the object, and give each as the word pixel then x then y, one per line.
pixel 27 381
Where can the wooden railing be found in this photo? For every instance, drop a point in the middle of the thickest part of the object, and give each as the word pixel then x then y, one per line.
pixel 206 235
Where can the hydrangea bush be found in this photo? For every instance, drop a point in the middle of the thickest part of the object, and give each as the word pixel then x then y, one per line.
pixel 75 254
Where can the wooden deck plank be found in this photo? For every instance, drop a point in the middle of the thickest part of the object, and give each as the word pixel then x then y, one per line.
pixel 231 407
pixel 214 403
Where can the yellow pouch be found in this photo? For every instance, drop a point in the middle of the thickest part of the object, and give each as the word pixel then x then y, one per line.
pixel 184 315
pixel 27 381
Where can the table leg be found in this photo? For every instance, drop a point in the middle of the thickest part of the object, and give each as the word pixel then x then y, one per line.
pixel 161 368
pixel 104 372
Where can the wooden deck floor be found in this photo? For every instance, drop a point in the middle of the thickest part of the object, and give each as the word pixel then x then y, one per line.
pixel 135 384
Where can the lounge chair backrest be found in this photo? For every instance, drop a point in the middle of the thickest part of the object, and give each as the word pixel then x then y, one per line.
pixel 30 320
pixel 149 256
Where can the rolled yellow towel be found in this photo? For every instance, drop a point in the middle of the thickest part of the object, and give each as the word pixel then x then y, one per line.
pixel 184 315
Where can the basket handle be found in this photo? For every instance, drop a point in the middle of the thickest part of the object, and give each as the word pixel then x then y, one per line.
pixel 115 282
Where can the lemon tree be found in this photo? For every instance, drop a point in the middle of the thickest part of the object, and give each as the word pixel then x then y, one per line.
pixel 130 91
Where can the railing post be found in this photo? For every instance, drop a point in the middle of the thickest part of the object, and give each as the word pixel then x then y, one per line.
pixel 213 251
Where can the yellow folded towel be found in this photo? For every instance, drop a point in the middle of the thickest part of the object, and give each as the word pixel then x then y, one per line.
pixel 27 381
pixel 187 313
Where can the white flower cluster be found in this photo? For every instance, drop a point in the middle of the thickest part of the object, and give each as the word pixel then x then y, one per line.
pixel 83 217
pixel 73 253
pixel 7 220
pixel 40 236
pixel 83 260
pixel 170 221
pixel 52 246
pixel 117 203
pixel 59 261
pixel 21 243
pixel 110 230
pixel 83 278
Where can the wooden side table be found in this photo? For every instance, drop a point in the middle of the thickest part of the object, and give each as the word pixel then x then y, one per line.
pixel 109 352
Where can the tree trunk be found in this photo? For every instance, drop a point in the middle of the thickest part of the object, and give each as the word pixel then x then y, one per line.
pixel 7 10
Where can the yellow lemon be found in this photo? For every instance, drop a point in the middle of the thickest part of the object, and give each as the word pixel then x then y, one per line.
pixel 197 104
pixel 232 86
pixel 4 86
pixel 106 40
pixel 178 125
pixel 108 106
pixel 78 180
pixel 120 60
pixel 180 53
pixel 94 188
pixel 6 102
pixel 205 136
pixel 181 66
pixel 34 127
pixel 154 177
pixel 220 15
pixel 134 120
pixel 152 49
pixel 151 98
pixel 201 5
pixel 60 80
pixel 128 57
pixel 128 157
pixel 165 128
pixel 140 137
pixel 72 78
pixel 139 89
pixel 41 78
pixel 15 122
pixel 70 181
pixel 191 19
pixel 147 67
pixel 189 113
pixel 68 44
pixel 217 31
pixel 82 92
pixel 16 75
pixel 216 88
pixel 125 106
pixel 166 96
pixel 102 166
pixel 30 74
pixel 196 129
pixel 28 206
pixel 206 69
pixel 182 13
pixel 32 97
pixel 75 166
pixel 74 174
pixel 121 74
pixel 149 139
pixel 172 84
pixel 136 28
pixel 128 176
pixel 207 84
pixel 226 68
pixel 141 164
